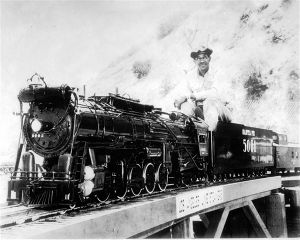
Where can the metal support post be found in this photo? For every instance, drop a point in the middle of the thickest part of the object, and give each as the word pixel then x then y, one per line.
pixel 256 221
pixel 183 229
pixel 276 216
pixel 217 223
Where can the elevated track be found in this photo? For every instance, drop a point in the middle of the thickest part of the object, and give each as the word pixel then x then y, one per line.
pixel 144 217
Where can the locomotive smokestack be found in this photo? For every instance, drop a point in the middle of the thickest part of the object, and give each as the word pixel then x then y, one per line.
pixel 117 91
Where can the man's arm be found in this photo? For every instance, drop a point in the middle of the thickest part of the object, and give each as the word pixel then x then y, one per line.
pixel 204 94
pixel 181 93
pixel 179 100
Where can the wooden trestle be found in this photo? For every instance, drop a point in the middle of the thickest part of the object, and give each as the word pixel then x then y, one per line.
pixel 172 213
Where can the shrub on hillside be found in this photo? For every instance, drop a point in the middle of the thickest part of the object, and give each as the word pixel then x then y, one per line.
pixel 278 37
pixel 262 8
pixel 254 86
pixel 245 17
pixel 286 3
pixel 141 68
pixel 166 86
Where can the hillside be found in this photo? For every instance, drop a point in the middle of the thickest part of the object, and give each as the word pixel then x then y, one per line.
pixel 255 60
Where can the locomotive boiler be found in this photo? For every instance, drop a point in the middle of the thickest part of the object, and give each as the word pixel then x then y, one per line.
pixel 103 147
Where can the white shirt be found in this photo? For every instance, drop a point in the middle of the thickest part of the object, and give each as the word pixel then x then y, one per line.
pixel 194 85
pixel 200 86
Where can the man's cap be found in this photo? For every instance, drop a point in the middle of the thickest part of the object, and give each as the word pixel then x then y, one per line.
pixel 202 50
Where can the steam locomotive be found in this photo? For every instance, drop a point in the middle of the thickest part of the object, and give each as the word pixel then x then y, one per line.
pixel 103 147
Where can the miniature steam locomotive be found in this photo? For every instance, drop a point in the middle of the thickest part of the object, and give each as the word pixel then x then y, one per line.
pixel 109 146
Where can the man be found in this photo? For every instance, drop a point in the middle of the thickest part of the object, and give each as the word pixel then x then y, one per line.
pixel 197 95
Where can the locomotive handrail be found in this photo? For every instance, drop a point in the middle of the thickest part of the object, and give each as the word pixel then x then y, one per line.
pixel 74 122
pixel 21 137
pixel 60 120
pixel 108 107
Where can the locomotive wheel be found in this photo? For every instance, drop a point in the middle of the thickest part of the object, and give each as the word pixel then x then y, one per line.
pixel 194 179
pixel 149 177
pixel 121 186
pixel 161 176
pixel 187 180
pixel 136 180
pixel 215 178
pixel 203 177
pixel 102 196
pixel 72 206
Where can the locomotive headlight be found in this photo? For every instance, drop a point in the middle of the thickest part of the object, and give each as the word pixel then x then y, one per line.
pixel 36 125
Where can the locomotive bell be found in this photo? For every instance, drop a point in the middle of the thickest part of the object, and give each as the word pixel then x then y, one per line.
pixel 86 187
pixel 88 173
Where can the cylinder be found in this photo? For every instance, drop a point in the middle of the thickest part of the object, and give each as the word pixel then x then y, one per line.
pixel 64 164
pixel 29 168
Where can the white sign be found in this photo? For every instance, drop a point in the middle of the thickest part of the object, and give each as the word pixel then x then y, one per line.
pixel 248 132
pixel 192 202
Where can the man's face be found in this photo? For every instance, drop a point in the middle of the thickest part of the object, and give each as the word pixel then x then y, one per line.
pixel 202 61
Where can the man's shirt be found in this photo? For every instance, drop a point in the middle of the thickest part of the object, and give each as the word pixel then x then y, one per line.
pixel 200 86
pixel 194 85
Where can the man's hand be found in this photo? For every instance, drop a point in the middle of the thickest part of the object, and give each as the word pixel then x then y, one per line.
pixel 179 101
pixel 192 97
pixel 196 99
